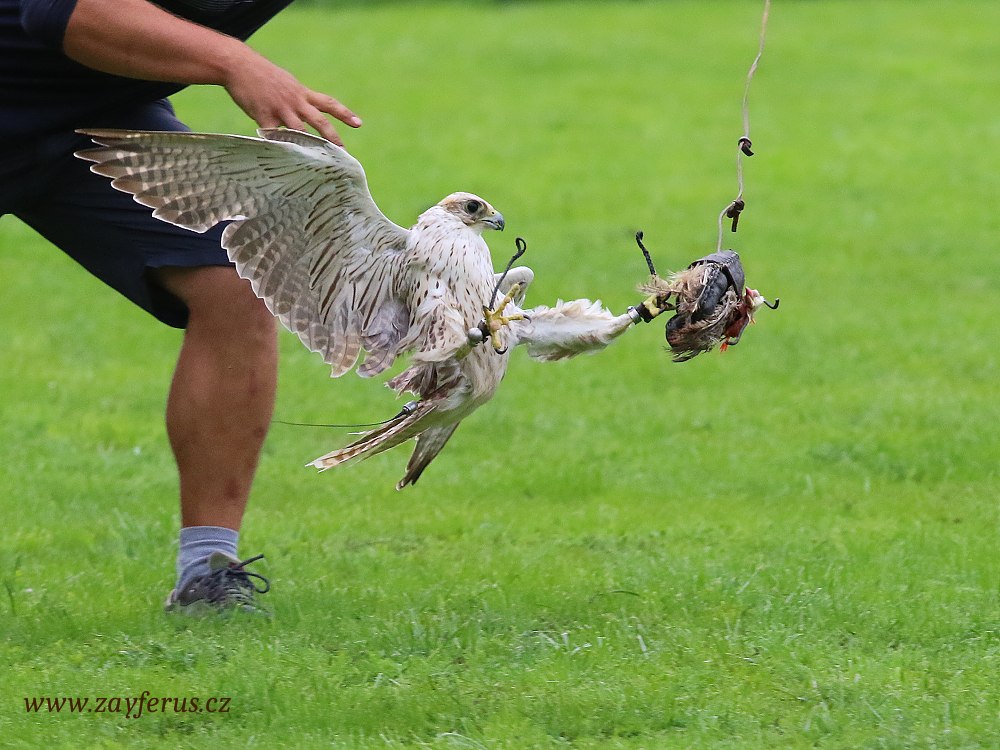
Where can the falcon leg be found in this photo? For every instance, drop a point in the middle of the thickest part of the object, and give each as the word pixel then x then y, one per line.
pixel 495 319
pixel 649 308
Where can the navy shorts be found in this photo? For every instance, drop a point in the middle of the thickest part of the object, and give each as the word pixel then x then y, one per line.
pixel 103 229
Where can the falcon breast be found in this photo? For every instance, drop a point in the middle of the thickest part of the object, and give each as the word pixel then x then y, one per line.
pixel 352 285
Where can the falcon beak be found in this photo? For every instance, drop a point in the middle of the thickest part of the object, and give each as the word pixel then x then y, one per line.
pixel 495 221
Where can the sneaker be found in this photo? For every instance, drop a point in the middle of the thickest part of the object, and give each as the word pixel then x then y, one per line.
pixel 227 587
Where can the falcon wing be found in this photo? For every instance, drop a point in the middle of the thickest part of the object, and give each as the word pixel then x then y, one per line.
pixel 304 228
pixel 568 329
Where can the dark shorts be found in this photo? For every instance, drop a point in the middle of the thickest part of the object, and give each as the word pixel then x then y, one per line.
pixel 103 229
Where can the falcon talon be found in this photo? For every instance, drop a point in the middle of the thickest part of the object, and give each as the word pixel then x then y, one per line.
pixel 649 308
pixel 658 301
pixel 494 319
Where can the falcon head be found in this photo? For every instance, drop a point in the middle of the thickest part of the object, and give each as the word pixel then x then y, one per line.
pixel 473 212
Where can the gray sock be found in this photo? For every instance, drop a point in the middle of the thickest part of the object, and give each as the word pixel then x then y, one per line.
pixel 196 544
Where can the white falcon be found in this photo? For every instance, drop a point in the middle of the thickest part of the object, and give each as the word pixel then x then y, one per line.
pixel 346 280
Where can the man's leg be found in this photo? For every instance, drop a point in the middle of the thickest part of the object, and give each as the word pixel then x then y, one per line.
pixel 222 395
pixel 223 391
pixel 218 413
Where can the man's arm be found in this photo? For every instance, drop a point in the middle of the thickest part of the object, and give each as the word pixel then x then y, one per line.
pixel 136 39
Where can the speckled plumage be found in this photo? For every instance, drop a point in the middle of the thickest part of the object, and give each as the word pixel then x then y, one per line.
pixel 346 280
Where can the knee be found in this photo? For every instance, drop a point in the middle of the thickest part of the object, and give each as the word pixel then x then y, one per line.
pixel 217 298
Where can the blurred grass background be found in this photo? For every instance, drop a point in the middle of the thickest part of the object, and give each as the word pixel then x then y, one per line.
pixel 789 545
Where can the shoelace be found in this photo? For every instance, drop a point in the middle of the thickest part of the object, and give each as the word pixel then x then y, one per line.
pixel 236 583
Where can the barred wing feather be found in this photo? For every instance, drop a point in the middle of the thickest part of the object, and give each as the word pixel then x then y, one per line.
pixel 304 229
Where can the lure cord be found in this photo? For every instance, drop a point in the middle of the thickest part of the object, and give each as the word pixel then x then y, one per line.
pixel 733 209
pixel 407 409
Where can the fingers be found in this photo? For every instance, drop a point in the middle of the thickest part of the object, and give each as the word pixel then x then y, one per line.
pixel 312 112
pixel 331 106
pixel 265 120
pixel 274 97
pixel 321 105
pixel 307 115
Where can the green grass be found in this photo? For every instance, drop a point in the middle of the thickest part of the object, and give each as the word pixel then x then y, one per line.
pixel 793 544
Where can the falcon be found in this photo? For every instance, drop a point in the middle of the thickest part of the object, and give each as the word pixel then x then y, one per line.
pixel 351 284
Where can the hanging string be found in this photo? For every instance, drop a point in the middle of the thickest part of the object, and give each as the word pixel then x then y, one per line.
pixel 736 206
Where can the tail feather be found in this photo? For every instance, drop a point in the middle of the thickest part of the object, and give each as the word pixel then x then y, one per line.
pixel 429 444
pixel 399 430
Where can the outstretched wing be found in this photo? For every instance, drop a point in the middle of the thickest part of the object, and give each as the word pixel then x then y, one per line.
pixel 304 228
pixel 568 329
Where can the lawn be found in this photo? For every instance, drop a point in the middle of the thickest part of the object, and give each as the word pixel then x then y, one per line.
pixel 792 544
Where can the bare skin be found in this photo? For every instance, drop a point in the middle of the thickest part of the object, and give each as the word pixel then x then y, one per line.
pixel 136 39
pixel 222 394
pixel 223 389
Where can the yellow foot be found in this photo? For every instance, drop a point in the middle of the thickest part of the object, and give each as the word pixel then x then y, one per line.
pixel 658 303
pixel 495 319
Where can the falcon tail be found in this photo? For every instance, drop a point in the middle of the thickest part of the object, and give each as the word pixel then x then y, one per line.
pixel 429 444
pixel 398 431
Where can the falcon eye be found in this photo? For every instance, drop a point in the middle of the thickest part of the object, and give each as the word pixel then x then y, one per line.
pixel 473 207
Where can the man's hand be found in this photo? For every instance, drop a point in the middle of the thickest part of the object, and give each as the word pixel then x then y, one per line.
pixel 136 39
pixel 272 96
